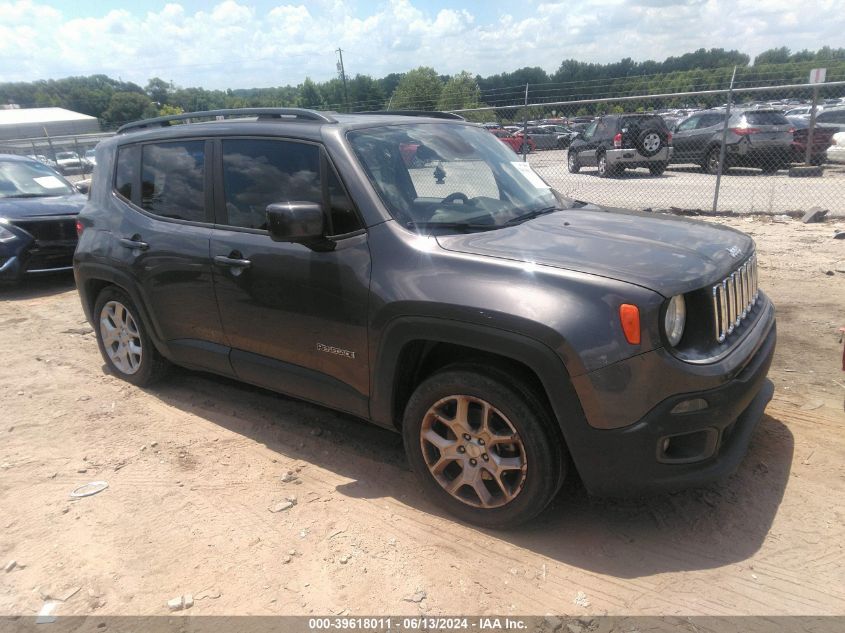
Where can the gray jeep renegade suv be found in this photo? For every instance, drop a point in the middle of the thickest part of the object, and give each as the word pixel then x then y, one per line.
pixel 413 272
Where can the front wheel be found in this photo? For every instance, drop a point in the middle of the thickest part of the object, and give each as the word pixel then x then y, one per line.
pixel 123 339
pixel 525 149
pixel 572 163
pixel 480 449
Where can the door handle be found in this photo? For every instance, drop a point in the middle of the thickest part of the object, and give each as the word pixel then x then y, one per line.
pixel 134 244
pixel 231 262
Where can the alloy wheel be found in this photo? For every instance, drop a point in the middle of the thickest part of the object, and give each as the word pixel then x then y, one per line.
pixel 121 338
pixel 473 451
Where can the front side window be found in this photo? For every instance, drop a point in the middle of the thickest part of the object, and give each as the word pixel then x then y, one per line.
pixel 258 173
pixel 689 124
pixel 459 176
pixel 173 180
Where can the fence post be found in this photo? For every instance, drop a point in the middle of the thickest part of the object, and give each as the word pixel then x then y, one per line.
pixel 724 141
pixel 525 125
pixel 808 155
pixel 50 143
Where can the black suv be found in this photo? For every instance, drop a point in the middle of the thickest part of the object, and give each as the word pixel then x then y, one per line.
pixel 415 273
pixel 612 143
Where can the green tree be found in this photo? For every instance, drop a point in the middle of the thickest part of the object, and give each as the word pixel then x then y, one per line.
pixel 461 91
pixel 309 94
pixel 419 89
pixel 125 107
pixel 158 90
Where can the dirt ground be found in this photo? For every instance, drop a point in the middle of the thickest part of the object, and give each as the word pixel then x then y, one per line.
pixel 195 464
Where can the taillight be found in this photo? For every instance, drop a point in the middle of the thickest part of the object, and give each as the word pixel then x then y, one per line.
pixel 79 228
pixel 744 131
pixel 617 141
pixel 668 138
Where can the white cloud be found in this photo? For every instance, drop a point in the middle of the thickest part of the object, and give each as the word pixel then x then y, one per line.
pixel 233 44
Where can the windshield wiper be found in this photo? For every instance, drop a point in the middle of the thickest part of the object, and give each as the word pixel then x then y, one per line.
pixel 459 226
pixel 532 214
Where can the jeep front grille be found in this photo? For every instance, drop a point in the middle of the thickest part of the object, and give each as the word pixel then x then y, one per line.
pixel 734 298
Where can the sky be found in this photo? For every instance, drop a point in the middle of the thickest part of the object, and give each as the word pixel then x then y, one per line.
pixel 261 43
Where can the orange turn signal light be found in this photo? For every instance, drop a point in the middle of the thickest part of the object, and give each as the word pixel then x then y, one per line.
pixel 629 315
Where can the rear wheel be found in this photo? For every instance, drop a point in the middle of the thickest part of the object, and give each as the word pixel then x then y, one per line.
pixel 525 149
pixel 572 163
pixel 711 161
pixel 657 169
pixel 602 165
pixel 123 340
pixel 481 450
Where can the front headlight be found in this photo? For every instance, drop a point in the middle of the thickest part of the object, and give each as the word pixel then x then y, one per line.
pixel 675 320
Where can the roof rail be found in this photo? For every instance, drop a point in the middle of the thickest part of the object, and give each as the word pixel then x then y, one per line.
pixel 262 113
pixel 434 114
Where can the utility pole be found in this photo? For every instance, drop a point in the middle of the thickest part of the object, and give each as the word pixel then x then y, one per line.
pixel 342 73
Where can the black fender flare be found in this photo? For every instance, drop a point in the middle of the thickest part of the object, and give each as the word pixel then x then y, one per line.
pixel 86 272
pixel 536 355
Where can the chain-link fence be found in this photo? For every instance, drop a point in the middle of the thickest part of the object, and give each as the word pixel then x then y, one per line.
pixel 744 147
pixel 70 155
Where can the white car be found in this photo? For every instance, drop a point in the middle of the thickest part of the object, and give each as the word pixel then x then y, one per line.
pixel 69 162
pixel 836 152
pixel 91 157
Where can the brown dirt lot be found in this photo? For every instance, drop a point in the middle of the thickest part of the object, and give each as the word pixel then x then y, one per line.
pixel 194 464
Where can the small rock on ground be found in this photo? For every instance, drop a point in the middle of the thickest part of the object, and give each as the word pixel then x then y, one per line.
pixel 10 566
pixel 581 599
pixel 281 506
pixel 417 597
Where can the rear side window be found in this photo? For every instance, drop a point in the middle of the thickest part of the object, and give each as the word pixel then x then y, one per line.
pixel 173 180
pixel 128 158
pixel 642 122
pixel 257 173
pixel 766 118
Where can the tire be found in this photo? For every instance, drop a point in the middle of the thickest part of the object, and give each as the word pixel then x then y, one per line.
pixel 657 169
pixel 515 495
pixel 649 142
pixel 572 162
pixel 114 310
pixel 525 148
pixel 711 162
pixel 605 170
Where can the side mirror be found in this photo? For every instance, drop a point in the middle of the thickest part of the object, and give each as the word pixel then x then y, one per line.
pixel 83 186
pixel 295 222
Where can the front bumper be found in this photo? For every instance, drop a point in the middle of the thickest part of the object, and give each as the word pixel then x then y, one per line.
pixel 632 157
pixel 669 451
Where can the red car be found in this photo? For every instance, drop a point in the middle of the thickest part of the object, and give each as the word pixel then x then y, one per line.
pixel 515 142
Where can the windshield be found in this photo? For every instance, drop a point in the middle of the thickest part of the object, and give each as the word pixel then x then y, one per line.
pixel 25 179
pixel 442 175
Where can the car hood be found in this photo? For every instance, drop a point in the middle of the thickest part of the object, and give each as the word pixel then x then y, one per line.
pixel 21 208
pixel 663 253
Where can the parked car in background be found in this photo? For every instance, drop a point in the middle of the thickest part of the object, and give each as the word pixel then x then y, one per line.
pixel 804 111
pixel 91 157
pixel 71 163
pixel 38 211
pixel 755 138
pixel 614 142
pixel 822 140
pixel 836 152
pixel 833 118
pixel 515 142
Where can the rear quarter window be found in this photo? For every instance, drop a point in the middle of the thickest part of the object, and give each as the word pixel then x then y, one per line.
pixel 766 118
pixel 125 175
